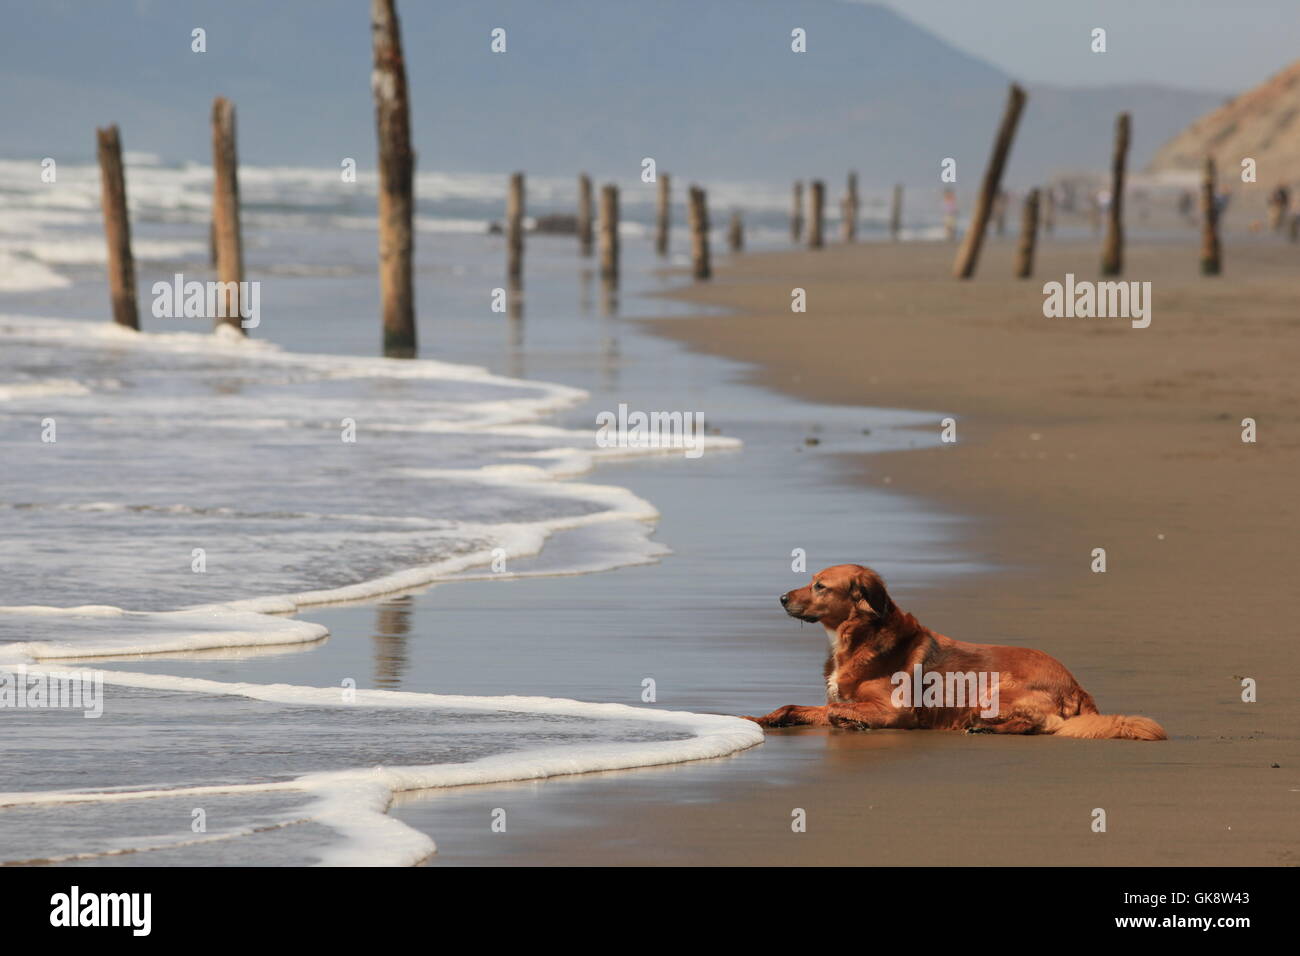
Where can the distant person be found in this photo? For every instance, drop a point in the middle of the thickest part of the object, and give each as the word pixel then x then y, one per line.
pixel 949 214
pixel 1221 201
pixel 1098 202
pixel 1185 201
pixel 1140 201
pixel 1000 212
pixel 1279 203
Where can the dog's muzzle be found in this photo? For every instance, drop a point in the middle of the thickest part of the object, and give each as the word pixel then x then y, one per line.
pixel 796 610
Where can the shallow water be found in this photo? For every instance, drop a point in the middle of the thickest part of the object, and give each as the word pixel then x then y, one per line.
pixel 187 443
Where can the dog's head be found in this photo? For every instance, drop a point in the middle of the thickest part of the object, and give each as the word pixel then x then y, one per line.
pixel 839 593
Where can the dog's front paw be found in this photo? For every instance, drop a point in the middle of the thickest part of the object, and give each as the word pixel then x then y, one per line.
pixel 847 722
pixel 781 717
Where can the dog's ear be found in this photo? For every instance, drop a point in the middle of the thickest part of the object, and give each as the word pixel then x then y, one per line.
pixel 870 599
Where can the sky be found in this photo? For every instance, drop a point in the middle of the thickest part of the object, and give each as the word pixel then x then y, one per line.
pixel 1211 45
pixel 711 85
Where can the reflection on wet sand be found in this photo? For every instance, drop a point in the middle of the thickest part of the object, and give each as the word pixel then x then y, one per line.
pixel 392 625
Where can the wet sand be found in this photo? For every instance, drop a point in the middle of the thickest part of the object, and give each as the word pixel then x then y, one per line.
pixel 1073 434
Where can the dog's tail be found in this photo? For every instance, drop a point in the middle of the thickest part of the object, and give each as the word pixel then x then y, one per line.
pixel 1114 726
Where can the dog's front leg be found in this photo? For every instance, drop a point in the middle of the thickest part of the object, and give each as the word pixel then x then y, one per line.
pixel 851 715
pixel 792 715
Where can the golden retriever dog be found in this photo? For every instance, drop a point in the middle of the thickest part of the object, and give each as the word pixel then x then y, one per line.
pixel 887 671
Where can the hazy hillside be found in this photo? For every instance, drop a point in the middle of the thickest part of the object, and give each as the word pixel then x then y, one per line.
pixel 1260 123
pixel 709 88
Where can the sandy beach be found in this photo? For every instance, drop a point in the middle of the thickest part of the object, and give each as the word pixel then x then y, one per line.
pixel 1073 434
pixel 1076 434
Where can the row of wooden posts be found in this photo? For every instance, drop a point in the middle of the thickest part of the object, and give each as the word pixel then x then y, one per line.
pixel 990 198
pixel 1112 256
pixel 1037 208
pixel 396 202
pixel 227 238
pixel 606 226
pixel 849 207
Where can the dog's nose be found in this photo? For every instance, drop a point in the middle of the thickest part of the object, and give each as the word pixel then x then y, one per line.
pixel 785 599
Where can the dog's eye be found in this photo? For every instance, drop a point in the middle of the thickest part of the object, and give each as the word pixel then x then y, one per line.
pixel 819 586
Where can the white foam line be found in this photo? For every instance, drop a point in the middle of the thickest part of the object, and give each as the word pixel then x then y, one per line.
pixel 194 632
pixel 354 803
pixel 527 540
pixel 174 845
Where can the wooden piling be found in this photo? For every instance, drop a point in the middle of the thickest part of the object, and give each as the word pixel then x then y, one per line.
pixel 117 228
pixel 817 200
pixel 396 181
pixel 896 213
pixel 584 214
pixel 225 212
pixel 968 254
pixel 796 214
pixel 515 228
pixel 1211 262
pixel 609 232
pixel 662 214
pixel 699 223
pixel 1112 256
pixel 1028 236
pixel 736 233
pixel 849 211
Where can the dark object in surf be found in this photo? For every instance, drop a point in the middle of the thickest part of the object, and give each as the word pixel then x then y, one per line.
pixel 557 224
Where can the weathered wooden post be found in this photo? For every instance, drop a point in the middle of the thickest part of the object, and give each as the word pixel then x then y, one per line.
pixel 796 214
pixel 584 214
pixel 609 232
pixel 515 228
pixel 896 213
pixel 117 228
pixel 225 212
pixel 662 214
pixel 1112 256
pixel 1211 263
pixel 396 181
pixel 699 223
pixel 849 211
pixel 1028 236
pixel 969 253
pixel 736 233
pixel 815 220
pixel 515 300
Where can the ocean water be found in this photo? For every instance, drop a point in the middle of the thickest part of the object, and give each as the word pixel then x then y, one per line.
pixel 199 525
